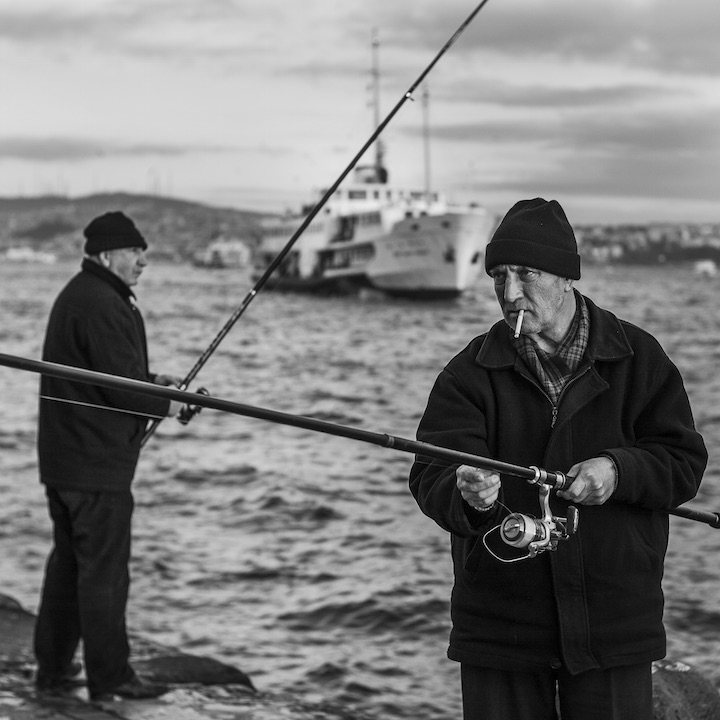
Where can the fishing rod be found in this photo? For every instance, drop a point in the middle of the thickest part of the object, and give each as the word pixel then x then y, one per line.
pixel 260 283
pixel 534 475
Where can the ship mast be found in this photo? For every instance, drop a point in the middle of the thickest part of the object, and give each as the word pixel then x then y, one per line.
pixel 426 142
pixel 381 174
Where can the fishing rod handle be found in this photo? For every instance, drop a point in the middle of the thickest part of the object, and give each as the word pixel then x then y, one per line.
pixel 554 478
pixel 709 518
pixel 560 481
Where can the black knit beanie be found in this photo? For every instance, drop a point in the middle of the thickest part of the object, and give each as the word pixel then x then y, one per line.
pixel 112 231
pixel 535 233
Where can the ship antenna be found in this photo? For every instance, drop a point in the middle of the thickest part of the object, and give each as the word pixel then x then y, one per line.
pixel 259 284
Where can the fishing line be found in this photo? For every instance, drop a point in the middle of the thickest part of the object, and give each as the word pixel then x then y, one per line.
pixel 107 408
pixel 237 314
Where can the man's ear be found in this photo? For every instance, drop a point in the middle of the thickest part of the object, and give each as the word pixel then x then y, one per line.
pixel 104 259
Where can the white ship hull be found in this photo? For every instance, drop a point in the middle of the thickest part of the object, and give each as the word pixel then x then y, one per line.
pixel 412 249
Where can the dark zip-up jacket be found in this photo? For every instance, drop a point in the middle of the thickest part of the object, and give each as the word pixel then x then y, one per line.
pixel 595 602
pixel 94 325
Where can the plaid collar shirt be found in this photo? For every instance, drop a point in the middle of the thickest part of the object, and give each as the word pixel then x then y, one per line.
pixel 554 371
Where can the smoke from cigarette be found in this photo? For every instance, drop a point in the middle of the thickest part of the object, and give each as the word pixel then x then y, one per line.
pixel 519 323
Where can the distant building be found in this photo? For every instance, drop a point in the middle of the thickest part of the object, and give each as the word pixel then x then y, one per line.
pixel 223 253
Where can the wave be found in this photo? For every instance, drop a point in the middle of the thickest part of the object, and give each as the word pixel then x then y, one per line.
pixel 369 615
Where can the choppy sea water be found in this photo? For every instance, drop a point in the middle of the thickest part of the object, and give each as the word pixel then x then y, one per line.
pixel 299 557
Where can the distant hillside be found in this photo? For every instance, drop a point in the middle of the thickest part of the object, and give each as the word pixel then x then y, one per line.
pixel 174 229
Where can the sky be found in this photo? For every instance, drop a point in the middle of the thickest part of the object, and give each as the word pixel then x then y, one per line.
pixel 611 107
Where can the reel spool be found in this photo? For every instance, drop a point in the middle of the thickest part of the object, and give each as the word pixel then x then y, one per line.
pixel 521 530
pixel 539 534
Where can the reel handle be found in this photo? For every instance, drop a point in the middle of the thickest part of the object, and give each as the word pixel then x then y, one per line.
pixel 189 411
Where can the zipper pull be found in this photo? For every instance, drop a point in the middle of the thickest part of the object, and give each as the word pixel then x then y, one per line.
pixel 554 416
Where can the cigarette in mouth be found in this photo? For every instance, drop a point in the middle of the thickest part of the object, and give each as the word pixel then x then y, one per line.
pixel 518 324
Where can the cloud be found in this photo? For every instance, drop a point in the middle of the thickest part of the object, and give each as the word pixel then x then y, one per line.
pixel 56 149
pixel 659 34
pixel 539 96
pixel 178 29
pixel 645 155
pixel 613 98
pixel 660 131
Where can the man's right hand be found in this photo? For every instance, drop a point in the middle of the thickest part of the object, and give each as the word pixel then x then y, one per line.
pixel 175 408
pixel 478 487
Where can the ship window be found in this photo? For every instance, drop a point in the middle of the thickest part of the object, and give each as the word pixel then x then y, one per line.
pixel 446 223
pixel 415 226
pixel 357 194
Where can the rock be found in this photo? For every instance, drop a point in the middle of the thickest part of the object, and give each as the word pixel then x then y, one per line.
pixel 149 659
pixel 682 693
pixel 182 668
pixel 16 630
pixel 10 603
pixel 201 688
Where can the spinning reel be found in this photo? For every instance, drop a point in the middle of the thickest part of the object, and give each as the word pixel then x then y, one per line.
pixel 538 534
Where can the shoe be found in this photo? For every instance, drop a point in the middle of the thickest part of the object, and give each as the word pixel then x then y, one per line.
pixel 135 689
pixel 60 684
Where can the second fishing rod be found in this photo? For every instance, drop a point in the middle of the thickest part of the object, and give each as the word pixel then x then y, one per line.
pixel 277 261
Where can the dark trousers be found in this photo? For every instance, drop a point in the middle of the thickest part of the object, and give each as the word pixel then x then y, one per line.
pixel 621 693
pixel 86 588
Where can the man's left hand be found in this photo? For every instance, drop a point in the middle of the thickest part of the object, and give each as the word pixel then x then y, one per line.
pixel 168 380
pixel 595 481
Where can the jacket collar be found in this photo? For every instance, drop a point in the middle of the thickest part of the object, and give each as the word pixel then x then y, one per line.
pixel 607 341
pixel 99 271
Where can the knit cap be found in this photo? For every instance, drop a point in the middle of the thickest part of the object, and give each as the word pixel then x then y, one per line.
pixel 112 231
pixel 535 233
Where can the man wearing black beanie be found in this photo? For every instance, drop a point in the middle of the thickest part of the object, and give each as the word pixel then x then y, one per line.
pixel 88 446
pixel 559 384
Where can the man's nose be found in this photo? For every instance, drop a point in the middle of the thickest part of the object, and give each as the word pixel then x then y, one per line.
pixel 513 289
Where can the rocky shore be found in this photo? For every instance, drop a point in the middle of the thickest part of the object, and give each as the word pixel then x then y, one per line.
pixel 202 688
pixel 205 689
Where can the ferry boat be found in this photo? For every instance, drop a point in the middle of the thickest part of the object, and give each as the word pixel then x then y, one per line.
pixel 370 234
pixel 403 242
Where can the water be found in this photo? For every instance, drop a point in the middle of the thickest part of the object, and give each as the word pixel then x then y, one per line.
pixel 299 557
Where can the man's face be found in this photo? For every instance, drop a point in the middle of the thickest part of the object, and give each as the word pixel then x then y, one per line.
pixel 539 293
pixel 126 263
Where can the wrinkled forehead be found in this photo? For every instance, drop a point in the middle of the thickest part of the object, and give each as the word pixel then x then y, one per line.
pixel 504 269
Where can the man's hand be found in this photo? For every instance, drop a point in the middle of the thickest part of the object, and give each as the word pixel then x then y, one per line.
pixel 595 481
pixel 478 487
pixel 170 380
